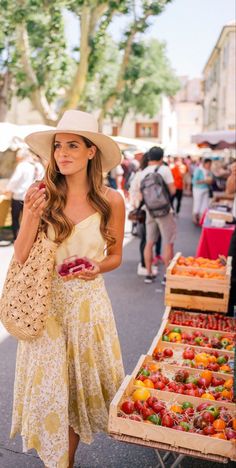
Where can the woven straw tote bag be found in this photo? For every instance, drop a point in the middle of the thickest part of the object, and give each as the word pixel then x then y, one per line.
pixel 26 292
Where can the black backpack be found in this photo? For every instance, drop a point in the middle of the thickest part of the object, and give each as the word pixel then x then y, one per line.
pixel 156 194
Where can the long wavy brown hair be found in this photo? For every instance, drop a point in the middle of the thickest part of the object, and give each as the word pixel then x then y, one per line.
pixel 56 198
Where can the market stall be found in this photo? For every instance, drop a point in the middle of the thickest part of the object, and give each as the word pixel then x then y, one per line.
pixel 217 229
pixel 179 398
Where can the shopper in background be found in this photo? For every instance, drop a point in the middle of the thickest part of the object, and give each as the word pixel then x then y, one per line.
pixel 178 170
pixel 27 171
pixel 202 180
pixel 164 225
pixel 231 189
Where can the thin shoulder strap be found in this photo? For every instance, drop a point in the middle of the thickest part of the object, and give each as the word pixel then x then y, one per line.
pixel 107 188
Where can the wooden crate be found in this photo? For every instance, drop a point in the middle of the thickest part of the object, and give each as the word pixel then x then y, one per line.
pixel 175 439
pixel 157 342
pixel 172 369
pixel 209 333
pixel 192 315
pixel 197 293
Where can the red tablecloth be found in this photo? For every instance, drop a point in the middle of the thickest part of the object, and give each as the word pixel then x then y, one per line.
pixel 214 241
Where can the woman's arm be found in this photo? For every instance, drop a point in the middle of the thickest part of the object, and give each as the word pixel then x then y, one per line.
pixel 33 208
pixel 116 228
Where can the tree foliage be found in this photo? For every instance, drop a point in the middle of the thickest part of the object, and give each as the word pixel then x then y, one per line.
pixel 111 76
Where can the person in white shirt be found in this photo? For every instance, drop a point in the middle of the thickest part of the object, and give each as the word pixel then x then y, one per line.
pixel 166 224
pixel 27 171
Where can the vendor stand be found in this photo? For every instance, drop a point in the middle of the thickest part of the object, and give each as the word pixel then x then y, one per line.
pixel 167 394
pixel 217 229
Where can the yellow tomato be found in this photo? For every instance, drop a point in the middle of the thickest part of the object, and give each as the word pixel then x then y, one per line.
pixel 141 394
pixel 174 337
pixel 148 383
pixel 139 383
pixel 208 396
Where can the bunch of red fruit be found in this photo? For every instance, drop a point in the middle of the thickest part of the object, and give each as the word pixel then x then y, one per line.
pixel 199 338
pixel 205 419
pixel 73 265
pixel 209 321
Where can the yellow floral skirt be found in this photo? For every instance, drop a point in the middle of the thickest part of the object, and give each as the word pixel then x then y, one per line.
pixel 68 376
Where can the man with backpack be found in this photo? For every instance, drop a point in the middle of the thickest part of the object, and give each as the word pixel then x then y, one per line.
pixel 157 188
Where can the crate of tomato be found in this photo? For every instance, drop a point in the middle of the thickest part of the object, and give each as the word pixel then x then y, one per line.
pixel 198 283
pixel 173 421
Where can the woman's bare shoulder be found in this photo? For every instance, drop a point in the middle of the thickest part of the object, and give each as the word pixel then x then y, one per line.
pixel 114 197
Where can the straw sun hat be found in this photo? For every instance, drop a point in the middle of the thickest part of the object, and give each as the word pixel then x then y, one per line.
pixel 82 124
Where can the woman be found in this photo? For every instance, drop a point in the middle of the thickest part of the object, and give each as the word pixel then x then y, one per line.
pixel 202 180
pixel 66 379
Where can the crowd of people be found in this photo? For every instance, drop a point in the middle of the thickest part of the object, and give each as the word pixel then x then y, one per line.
pixel 199 178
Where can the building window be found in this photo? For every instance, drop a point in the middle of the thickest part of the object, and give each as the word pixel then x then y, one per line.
pixel 146 130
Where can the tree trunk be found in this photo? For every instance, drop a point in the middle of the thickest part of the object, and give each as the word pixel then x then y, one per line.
pixel 88 21
pixel 5 83
pixel 38 97
pixel 120 80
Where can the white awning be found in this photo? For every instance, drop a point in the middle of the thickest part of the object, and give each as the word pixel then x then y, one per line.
pixel 12 135
pixel 216 137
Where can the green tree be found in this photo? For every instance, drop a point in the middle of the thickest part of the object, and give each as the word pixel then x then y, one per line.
pixel 34 55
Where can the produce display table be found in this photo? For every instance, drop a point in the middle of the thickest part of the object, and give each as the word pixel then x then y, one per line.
pixel 177 454
pixel 180 399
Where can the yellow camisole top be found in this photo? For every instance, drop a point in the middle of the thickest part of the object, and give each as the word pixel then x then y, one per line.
pixel 85 240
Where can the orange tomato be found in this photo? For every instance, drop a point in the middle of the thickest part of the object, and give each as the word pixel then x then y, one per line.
pixel 153 367
pixel 208 396
pixel 229 383
pixel 177 409
pixel 148 383
pixel 174 337
pixel 234 424
pixel 220 435
pixel 219 425
pixel 225 368
pixel 202 358
pixel 206 374
pixel 141 394
pixel 227 394
pixel 230 347
pixel 212 358
pixel 139 383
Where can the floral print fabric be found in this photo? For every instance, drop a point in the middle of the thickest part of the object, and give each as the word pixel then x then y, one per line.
pixel 70 374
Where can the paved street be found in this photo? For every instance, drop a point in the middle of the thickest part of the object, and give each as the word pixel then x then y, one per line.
pixel 138 309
